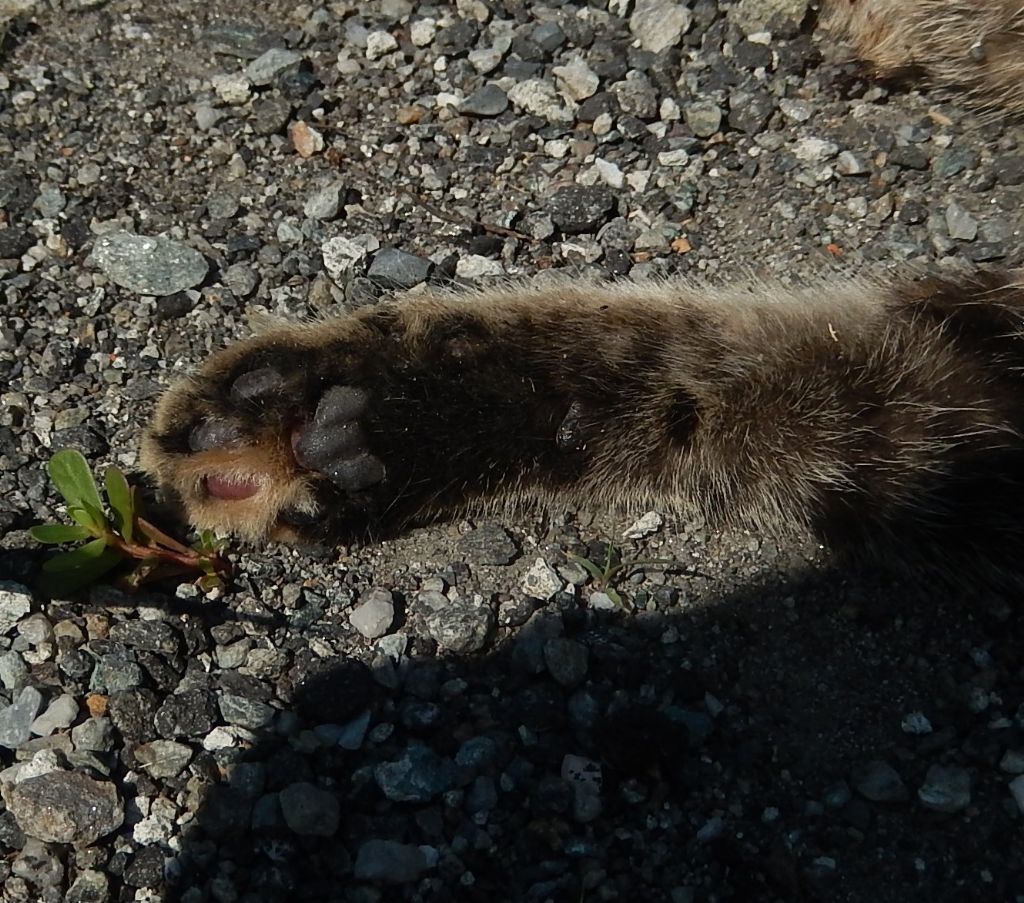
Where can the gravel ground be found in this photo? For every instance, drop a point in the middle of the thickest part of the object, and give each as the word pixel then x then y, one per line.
pixel 461 714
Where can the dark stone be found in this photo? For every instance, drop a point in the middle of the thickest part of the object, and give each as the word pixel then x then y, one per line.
pixel 14 242
pixel 189 714
pixel 488 544
pixel 489 100
pixel 132 712
pixel 581 208
pixel 146 868
pixel 1009 169
pixel 909 157
pixel 170 307
pixel 457 38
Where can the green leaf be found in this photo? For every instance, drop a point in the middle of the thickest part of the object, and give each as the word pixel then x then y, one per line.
pixel 81 556
pixel 71 475
pixel 70 571
pixel 595 572
pixel 57 533
pixel 122 501
pixel 90 518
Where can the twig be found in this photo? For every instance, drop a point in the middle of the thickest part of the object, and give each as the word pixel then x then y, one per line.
pixel 467 223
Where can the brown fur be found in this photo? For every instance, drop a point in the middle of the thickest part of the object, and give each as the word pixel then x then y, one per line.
pixel 972 46
pixel 886 414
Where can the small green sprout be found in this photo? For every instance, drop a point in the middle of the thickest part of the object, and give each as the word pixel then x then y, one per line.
pixel 122 536
pixel 606 577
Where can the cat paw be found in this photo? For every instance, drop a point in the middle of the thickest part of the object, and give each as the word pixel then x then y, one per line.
pixel 260 443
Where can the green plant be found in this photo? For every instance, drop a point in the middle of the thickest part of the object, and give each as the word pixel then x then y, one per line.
pixel 606 577
pixel 120 536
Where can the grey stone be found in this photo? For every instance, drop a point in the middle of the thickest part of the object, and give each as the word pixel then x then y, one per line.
pixel 488 100
pixel 58 715
pixel 207 117
pixel 488 544
pixel 636 96
pixel 486 59
pixel 703 117
pixel 781 16
pixel 270 115
pixel 114 673
pixel 477 753
pixel 89 887
pixel 270 64
pixel 397 269
pixel 659 24
pixel 848 164
pixel 879 782
pixel 309 810
pixel 325 203
pixel 152 636
pixel 93 735
pixel 374 614
pixel 148 265
pixel 238 39
pixel 50 201
pixel 960 223
pixel 38 865
pixel 352 735
pixel 955 160
pixel 16 719
pixel 417 776
pixel 245 712
pixel 66 807
pixel 946 788
pixel 13 670
pixel 163 758
pixel 222 206
pixel 795 110
pixel 749 111
pixel 566 661
pixel 1016 787
pixel 462 626
pixel 389 862
pixel 241 278
pixel 909 157
pixel 1012 761
pixel 15 603
pixel 1009 169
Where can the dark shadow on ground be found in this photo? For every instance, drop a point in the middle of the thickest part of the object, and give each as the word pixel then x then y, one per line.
pixel 724 732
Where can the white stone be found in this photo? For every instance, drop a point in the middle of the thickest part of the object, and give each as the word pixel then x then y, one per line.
pixel 541 581
pixel 232 89
pixel 422 31
pixel 380 43
pixel 651 522
pixel 576 79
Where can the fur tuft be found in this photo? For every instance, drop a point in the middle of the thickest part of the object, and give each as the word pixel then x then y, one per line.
pixel 974 47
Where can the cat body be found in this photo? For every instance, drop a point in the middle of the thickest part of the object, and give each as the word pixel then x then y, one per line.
pixel 887 414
